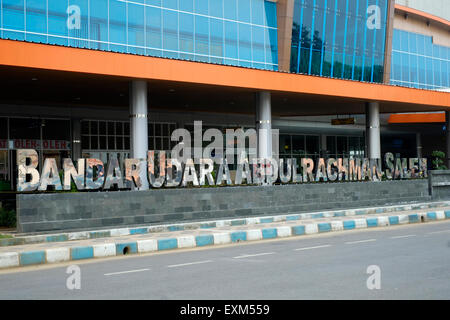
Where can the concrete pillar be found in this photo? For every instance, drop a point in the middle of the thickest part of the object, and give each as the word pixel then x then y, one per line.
pixel 419 144
pixel 373 138
pixel 139 126
pixel 264 124
pixel 447 142
pixel 285 15
pixel 388 43
pixel 76 139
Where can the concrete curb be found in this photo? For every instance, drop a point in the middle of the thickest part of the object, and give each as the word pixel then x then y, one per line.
pixel 55 255
pixel 107 233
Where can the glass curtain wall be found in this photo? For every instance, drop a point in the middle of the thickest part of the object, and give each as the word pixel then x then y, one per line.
pixel 342 39
pixel 232 32
pixel 418 63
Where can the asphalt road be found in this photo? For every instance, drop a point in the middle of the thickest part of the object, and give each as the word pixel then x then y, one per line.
pixel 414 263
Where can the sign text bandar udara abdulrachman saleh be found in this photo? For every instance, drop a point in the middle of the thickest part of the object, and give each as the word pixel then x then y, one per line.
pixel 90 173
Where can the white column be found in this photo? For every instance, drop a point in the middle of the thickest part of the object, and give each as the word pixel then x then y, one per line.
pixel 264 124
pixel 373 130
pixel 264 127
pixel 419 145
pixel 139 126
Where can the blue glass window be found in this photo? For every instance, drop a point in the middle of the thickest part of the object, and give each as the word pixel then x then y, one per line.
pixel 404 41
pixel 78 36
pixel 270 14
pixel 230 9
pixel 186 32
pixel 412 42
pixel 271 47
pixel 202 37
pixel 245 35
pixel 187 5
pixel 437 72
pixel 444 74
pixel 429 46
pixel 216 8
pixel 422 71
pixel 396 40
pixel 136 37
pixel 231 40
pixel 157 2
pixel 201 6
pixel 244 10
pixel 257 12
pixel 36 23
pixel 337 38
pixel 258 44
pixel 236 32
pixel 153 30
pixel 57 22
pixel 117 26
pixel 427 67
pixel 98 22
pixel 171 4
pixel 216 43
pixel 13 19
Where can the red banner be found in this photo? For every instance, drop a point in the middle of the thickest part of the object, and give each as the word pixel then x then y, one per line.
pixel 36 144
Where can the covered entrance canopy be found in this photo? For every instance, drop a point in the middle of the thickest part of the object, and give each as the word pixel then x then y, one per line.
pixel 38 74
pixel 46 81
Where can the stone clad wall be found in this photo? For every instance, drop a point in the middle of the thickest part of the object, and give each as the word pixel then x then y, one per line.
pixel 96 210
pixel 440 184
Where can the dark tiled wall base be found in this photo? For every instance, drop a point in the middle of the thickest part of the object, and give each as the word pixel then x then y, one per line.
pixel 96 210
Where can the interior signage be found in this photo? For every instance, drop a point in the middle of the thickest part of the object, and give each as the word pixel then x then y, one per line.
pixel 47 144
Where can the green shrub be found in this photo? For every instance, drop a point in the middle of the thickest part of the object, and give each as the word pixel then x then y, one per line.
pixel 5 185
pixel 7 218
pixel 438 160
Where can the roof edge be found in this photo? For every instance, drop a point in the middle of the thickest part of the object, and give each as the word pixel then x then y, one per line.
pixel 423 15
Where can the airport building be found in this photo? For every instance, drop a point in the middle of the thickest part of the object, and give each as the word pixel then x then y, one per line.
pixel 115 78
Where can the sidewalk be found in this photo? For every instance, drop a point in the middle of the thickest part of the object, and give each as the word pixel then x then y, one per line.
pixel 46 249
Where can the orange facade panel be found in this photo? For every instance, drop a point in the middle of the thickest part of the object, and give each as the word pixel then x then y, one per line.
pixel 40 56
pixel 417 118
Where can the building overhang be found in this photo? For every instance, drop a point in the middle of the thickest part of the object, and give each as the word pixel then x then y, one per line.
pixel 329 93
